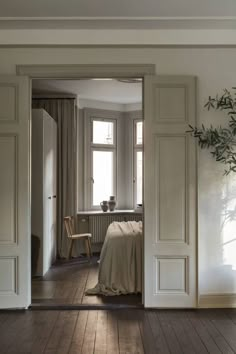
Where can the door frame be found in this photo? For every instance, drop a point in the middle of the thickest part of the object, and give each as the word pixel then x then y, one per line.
pixel 78 71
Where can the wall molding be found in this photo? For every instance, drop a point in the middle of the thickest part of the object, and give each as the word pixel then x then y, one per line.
pixel 118 22
pixel 217 301
pixel 85 70
pixel 121 107
pixel 117 37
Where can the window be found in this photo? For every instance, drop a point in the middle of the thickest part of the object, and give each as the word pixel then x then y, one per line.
pixel 138 162
pixel 139 177
pixel 101 161
pixel 102 175
pixel 103 132
pixel 139 133
pixel 113 159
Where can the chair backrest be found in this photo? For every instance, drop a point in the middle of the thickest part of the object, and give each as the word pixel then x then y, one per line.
pixel 69 225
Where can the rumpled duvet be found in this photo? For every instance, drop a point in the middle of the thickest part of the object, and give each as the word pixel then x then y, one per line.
pixel 120 268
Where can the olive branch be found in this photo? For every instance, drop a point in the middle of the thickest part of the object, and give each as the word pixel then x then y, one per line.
pixel 221 141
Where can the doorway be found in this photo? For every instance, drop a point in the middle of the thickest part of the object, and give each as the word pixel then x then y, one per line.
pixel 170 262
pixel 109 162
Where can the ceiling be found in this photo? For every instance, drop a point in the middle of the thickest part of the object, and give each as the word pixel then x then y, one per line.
pixel 112 8
pixel 97 90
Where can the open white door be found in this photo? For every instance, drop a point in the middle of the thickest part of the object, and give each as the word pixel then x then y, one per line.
pixel 170 191
pixel 15 270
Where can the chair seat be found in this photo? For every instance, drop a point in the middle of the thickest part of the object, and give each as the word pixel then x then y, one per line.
pixel 80 236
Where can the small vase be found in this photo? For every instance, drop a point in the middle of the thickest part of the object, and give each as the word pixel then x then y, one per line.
pixel 104 205
pixel 112 203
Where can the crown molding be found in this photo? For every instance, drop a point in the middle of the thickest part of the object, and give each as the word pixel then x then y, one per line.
pixel 208 22
pixel 121 107
pixel 131 37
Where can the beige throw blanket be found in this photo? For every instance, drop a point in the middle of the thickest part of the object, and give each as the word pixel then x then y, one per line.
pixel 120 268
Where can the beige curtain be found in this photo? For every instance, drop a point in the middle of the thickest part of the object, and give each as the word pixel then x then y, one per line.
pixel 64 111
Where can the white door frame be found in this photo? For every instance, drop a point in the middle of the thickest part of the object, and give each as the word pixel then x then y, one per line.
pixel 89 71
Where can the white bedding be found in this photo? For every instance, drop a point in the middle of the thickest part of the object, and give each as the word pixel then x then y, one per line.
pixel 120 268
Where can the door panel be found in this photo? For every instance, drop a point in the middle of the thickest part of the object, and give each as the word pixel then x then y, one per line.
pixel 14 192
pixel 169 192
pixel 8 212
pixel 170 188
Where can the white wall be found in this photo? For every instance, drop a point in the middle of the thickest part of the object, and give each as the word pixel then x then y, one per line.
pixel 215 69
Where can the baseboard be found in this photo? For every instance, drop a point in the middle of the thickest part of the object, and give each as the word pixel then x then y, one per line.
pixel 217 301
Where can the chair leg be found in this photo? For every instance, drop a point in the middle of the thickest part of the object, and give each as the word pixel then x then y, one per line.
pixel 90 248
pixel 70 249
pixel 87 247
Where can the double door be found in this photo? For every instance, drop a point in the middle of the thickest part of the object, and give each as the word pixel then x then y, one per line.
pixel 169 192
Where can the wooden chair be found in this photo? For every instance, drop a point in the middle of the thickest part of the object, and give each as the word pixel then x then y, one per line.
pixel 70 229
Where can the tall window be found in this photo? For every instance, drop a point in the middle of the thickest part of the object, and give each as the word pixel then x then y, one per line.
pixel 103 160
pixel 138 162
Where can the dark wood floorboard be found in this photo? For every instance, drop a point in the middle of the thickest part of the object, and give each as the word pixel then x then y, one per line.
pixel 129 333
pixel 90 333
pixel 169 333
pixel 67 281
pixel 161 346
pixel 78 335
pixel 118 332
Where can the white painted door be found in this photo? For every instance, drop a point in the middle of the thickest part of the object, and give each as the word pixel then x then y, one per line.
pixel 50 175
pixel 15 243
pixel 47 190
pixel 170 190
pixel 54 197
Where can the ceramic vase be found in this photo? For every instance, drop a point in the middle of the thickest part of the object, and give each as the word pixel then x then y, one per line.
pixel 104 205
pixel 112 203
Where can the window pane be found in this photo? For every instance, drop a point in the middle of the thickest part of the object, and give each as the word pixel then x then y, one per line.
pixel 102 176
pixel 103 132
pixel 139 133
pixel 139 177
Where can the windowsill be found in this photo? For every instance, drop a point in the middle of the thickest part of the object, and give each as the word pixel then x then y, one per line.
pixel 100 212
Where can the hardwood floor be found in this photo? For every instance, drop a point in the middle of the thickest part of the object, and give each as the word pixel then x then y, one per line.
pixel 118 331
pixel 66 282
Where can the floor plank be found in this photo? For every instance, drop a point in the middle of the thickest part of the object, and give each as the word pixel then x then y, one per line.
pixel 198 345
pixel 157 332
pixel 101 333
pixel 112 333
pixel 67 281
pixel 118 332
pixel 169 333
pixel 90 333
pixel 204 333
pixel 147 336
pixel 130 340
pixel 78 335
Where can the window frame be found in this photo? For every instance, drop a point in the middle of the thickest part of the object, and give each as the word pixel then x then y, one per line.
pixel 89 148
pixel 136 148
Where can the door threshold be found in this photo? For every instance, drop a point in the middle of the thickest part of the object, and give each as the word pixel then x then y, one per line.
pixel 72 307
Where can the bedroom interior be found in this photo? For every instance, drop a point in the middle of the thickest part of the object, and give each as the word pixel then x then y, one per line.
pixel 93 172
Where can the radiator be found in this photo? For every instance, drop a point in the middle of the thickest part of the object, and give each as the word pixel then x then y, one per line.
pixel 98 224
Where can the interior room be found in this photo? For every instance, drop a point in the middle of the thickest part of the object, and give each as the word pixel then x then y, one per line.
pixel 87 187
pixel 185 53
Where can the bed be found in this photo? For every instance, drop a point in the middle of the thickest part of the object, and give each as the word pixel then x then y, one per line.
pixel 120 267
